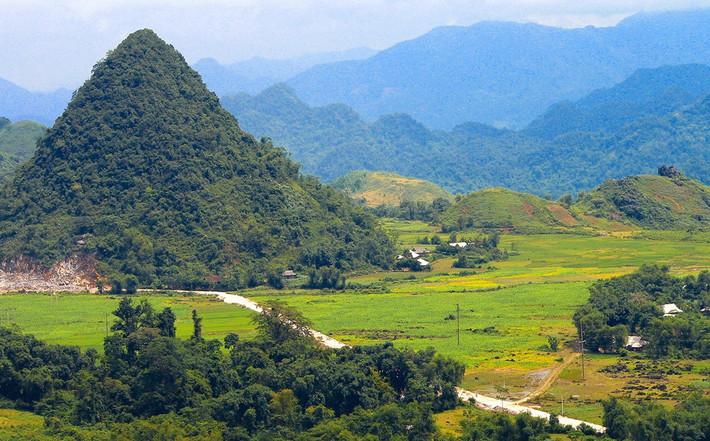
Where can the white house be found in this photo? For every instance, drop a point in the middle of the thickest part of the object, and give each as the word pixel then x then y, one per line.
pixel 670 309
pixel 634 342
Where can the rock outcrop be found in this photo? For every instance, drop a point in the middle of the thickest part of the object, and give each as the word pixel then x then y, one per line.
pixel 75 273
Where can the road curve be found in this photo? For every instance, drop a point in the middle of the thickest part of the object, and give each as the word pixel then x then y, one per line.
pixel 483 402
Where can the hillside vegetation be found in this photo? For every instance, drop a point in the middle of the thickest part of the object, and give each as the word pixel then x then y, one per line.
pixel 17 143
pixel 667 202
pixel 654 117
pixel 657 202
pixel 146 172
pixel 501 208
pixel 384 188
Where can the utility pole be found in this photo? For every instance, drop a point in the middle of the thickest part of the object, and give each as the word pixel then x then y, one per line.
pixel 458 325
pixel 563 406
pixel 107 324
pixel 581 329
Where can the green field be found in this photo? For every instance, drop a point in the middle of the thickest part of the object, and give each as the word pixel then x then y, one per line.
pixel 81 319
pixel 506 310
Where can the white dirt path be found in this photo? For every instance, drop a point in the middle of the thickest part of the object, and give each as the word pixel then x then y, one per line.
pixel 483 402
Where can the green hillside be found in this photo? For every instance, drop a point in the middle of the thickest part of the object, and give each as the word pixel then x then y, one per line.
pixel 20 139
pixel 669 201
pixel 17 143
pixel 385 188
pixel 501 208
pixel 657 202
pixel 147 172
pixel 655 116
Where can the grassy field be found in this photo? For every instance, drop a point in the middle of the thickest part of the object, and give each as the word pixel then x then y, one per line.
pixel 80 319
pixel 506 311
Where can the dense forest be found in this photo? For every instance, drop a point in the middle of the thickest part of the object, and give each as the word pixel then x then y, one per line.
pixel 17 144
pixel 146 172
pixel 632 305
pixel 150 385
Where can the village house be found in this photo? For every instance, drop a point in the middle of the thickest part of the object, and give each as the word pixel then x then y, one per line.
pixel 288 274
pixel 635 343
pixel 670 309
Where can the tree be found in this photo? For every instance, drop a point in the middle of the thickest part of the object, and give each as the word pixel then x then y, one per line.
pixel 280 323
pixel 166 322
pixel 131 284
pixel 197 327
pixel 116 286
pixel 128 317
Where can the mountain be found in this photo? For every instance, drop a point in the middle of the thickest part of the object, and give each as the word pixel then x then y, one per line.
pixel 672 201
pixel 501 208
pixel 147 173
pixel 19 104
pixel 384 188
pixel 17 143
pixel 655 116
pixel 333 140
pixel 257 73
pixel 646 93
pixel 501 73
pixel 667 201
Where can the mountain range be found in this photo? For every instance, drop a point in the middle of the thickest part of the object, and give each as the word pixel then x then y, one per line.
pixel 19 104
pixel 502 73
pixel 499 73
pixel 258 73
pixel 655 116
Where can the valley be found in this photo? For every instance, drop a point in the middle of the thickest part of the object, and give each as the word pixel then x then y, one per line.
pixel 171 263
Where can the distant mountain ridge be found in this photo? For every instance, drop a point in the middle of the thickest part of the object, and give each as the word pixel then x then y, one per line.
pixel 258 73
pixel 647 92
pixel 653 117
pixel 504 73
pixel 19 104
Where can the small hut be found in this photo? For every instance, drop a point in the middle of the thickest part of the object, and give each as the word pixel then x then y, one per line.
pixel 670 309
pixel 635 343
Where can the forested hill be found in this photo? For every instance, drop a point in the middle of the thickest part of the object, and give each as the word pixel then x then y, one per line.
pixel 646 93
pixel 668 201
pixel 147 172
pixel 17 143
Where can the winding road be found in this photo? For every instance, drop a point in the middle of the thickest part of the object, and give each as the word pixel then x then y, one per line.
pixel 483 402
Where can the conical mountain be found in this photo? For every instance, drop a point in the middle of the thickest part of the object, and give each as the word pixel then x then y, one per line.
pixel 148 173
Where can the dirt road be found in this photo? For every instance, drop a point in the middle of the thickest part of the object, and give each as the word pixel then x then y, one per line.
pixel 483 402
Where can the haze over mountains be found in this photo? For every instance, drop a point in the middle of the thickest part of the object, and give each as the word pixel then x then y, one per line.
pixel 504 73
pixel 258 73
pixel 497 73
pixel 656 116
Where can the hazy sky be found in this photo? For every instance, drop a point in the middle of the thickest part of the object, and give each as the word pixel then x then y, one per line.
pixel 49 44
